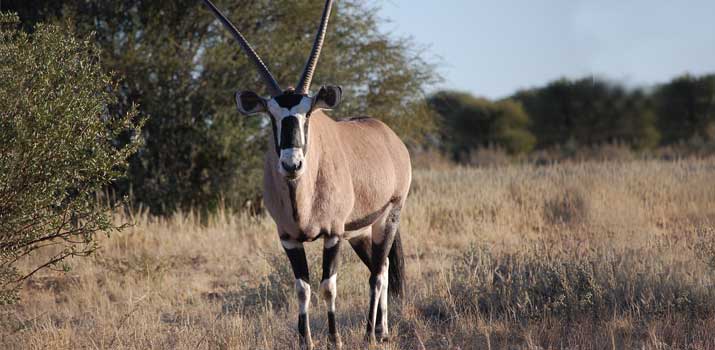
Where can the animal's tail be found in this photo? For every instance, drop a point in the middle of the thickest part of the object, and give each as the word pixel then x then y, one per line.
pixel 396 269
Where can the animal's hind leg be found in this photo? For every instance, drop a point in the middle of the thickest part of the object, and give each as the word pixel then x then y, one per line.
pixel 383 235
pixel 362 245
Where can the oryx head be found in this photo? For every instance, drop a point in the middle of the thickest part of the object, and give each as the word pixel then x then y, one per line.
pixel 289 109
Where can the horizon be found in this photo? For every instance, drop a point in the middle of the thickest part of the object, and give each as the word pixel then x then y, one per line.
pixel 636 44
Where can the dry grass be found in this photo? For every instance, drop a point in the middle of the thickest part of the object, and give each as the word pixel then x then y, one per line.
pixel 582 256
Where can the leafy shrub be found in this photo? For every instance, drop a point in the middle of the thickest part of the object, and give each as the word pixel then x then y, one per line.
pixel 57 147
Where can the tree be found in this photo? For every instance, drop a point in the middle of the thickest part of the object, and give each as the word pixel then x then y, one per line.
pixel 469 123
pixel 58 127
pixel 686 108
pixel 183 69
pixel 589 112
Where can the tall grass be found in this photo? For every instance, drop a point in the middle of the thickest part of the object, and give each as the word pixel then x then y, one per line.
pixel 589 255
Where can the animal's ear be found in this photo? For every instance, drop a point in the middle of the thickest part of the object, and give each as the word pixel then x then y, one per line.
pixel 248 102
pixel 328 97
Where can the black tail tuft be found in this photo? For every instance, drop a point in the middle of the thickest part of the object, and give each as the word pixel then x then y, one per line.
pixel 396 270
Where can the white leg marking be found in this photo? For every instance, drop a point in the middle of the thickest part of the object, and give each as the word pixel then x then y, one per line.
pixel 379 290
pixel 331 242
pixel 303 290
pixel 291 244
pixel 383 297
pixel 329 290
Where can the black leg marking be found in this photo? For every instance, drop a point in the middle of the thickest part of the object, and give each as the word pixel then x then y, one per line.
pixel 331 323
pixel 298 263
pixel 363 247
pixel 330 260
pixel 302 324
pixel 379 254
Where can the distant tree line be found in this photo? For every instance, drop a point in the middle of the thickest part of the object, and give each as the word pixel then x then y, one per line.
pixel 583 112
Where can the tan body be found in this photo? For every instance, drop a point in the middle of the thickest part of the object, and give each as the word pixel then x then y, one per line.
pixel 358 169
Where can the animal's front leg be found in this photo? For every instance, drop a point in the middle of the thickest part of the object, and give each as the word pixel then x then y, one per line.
pixel 296 255
pixel 328 286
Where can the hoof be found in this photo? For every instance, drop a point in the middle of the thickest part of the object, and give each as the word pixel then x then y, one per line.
pixel 306 346
pixel 383 338
pixel 370 339
pixel 335 341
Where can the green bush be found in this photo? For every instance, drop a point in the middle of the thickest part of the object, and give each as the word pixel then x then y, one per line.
pixel 58 148
pixel 470 123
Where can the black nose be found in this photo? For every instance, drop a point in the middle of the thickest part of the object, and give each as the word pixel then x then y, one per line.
pixel 292 168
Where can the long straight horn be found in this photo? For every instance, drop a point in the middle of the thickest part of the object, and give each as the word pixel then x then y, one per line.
pixel 305 80
pixel 273 86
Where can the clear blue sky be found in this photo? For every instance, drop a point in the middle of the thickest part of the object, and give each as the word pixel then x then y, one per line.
pixel 492 48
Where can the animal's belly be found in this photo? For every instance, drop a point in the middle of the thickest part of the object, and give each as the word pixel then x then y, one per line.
pixel 304 233
pixel 362 220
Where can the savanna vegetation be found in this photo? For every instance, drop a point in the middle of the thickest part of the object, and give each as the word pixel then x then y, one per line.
pixel 595 230
pixel 594 255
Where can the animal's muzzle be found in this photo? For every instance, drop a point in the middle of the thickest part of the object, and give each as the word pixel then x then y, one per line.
pixel 292 161
pixel 292 167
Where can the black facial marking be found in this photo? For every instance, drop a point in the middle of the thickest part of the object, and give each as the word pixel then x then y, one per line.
pixel 290 133
pixel 330 260
pixel 275 140
pixel 289 100
pixel 292 195
pixel 298 263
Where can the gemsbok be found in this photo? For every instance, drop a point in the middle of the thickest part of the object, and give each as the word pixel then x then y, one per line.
pixel 330 179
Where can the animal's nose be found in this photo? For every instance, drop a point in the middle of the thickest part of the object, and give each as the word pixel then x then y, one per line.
pixel 292 167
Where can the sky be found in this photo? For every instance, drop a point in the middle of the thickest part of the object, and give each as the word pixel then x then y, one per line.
pixel 492 48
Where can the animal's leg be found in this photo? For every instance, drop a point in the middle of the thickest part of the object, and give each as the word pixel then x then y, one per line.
pixel 296 255
pixel 362 245
pixel 383 235
pixel 328 285
pixel 381 321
